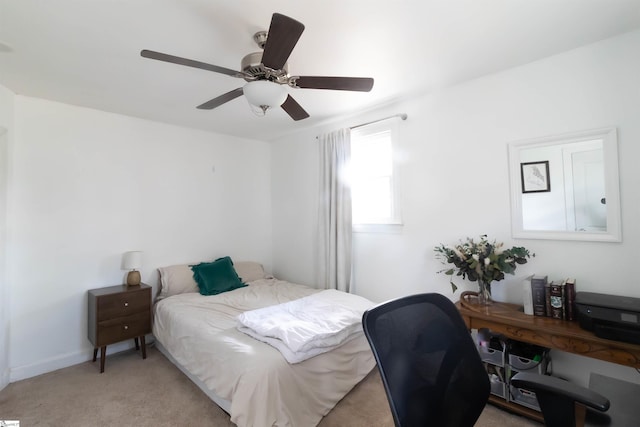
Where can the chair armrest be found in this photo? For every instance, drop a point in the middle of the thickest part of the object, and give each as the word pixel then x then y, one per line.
pixel 561 387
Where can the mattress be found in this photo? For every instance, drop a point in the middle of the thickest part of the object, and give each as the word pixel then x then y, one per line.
pixel 200 334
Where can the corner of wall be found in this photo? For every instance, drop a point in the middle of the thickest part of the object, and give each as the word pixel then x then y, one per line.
pixel 4 379
pixel 4 292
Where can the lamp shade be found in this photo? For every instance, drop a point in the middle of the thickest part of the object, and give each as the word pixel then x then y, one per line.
pixel 265 93
pixel 132 260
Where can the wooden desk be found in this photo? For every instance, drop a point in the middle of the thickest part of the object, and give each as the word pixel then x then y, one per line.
pixel 510 321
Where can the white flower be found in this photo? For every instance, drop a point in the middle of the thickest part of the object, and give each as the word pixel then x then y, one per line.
pixel 487 261
pixel 476 257
pixel 459 254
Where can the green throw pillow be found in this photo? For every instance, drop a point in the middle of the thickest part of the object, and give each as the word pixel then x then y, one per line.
pixel 216 277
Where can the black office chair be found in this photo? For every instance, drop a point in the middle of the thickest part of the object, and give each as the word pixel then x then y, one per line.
pixel 429 365
pixel 561 402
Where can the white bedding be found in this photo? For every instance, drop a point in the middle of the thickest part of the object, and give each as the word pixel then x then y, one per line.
pixel 264 389
pixel 308 326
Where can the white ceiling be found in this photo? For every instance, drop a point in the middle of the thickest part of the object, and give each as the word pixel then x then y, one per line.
pixel 87 52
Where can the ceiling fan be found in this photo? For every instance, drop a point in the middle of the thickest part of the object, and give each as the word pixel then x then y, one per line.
pixel 267 72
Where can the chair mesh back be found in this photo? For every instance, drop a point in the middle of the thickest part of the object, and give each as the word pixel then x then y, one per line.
pixel 428 362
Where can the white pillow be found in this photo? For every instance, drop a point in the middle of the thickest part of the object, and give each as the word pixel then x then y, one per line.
pixel 176 279
pixel 248 271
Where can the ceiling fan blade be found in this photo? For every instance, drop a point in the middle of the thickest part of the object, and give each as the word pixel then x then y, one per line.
pixel 282 37
pixel 216 102
pixel 294 109
pixel 360 84
pixel 188 62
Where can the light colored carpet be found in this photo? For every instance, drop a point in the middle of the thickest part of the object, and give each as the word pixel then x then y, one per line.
pixel 153 392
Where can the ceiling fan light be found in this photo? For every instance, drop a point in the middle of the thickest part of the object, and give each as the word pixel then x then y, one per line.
pixel 263 93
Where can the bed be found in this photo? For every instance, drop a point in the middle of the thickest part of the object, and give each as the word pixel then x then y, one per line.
pixel 249 379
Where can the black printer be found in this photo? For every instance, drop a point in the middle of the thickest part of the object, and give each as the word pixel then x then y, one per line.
pixel 609 316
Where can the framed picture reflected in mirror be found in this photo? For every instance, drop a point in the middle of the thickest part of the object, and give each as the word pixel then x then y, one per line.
pixel 535 177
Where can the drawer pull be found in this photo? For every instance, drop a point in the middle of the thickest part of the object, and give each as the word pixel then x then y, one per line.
pixel 126 304
pixel 126 327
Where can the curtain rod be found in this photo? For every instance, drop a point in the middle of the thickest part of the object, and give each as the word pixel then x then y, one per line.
pixel 403 116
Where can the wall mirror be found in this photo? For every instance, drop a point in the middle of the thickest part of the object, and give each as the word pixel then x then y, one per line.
pixel 566 187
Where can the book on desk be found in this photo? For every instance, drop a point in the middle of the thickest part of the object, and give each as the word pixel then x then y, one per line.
pixel 554 299
pixel 538 284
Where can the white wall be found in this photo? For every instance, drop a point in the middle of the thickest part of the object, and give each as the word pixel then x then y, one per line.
pixel 86 186
pixel 6 123
pixel 455 182
pixel 295 171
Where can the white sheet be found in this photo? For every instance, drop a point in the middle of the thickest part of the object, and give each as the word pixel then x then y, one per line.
pixel 308 326
pixel 264 389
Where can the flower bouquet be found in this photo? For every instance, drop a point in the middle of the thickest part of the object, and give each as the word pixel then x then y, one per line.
pixel 481 261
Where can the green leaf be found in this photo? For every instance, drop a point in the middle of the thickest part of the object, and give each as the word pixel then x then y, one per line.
pixel 500 260
pixel 454 288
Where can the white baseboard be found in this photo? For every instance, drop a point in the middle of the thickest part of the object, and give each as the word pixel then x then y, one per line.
pixel 18 373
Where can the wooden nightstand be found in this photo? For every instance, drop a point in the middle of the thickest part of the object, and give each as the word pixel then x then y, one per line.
pixel 118 313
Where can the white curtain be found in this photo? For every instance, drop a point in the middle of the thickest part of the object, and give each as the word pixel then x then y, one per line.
pixel 335 211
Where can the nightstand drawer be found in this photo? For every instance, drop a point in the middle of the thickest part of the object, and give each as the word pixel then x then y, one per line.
pixel 124 328
pixel 123 304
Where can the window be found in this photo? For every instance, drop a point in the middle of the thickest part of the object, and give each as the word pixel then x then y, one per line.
pixel 373 175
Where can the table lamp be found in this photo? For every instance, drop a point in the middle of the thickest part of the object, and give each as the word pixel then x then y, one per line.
pixel 132 261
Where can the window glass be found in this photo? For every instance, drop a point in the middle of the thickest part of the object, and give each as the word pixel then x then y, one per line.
pixel 373 184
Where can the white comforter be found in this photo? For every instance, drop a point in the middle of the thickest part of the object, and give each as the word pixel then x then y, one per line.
pixel 308 326
pixel 263 388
